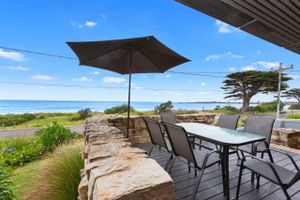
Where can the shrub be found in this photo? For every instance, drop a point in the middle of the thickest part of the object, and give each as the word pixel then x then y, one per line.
pixel 119 109
pixel 15 119
pixel 85 113
pixel 266 107
pixel 295 106
pixel 53 136
pixel 227 109
pixel 16 152
pixel 164 107
pixel 58 176
pixel 293 116
pixel 5 191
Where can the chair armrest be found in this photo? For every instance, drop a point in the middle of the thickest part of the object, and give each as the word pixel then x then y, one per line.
pixel 255 145
pixel 286 154
pixel 265 162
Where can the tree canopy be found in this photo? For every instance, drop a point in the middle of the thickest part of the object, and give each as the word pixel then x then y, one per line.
pixel 293 93
pixel 244 85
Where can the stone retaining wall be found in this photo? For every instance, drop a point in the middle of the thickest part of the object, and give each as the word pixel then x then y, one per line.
pixel 138 133
pixel 115 170
pixel 287 136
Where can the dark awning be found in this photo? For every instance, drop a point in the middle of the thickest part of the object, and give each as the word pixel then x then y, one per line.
pixel 277 21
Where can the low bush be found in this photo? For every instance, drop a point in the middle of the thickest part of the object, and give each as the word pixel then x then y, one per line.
pixel 17 152
pixel 82 114
pixel 227 109
pixel 293 116
pixel 58 176
pixel 185 111
pixel 5 184
pixel 53 136
pixel 119 109
pixel 15 119
pixel 295 106
pixel 266 107
pixel 164 107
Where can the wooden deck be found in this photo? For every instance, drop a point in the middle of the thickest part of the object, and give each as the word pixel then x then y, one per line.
pixel 211 186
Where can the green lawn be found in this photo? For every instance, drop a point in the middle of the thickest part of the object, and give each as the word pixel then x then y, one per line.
pixel 24 177
pixel 39 123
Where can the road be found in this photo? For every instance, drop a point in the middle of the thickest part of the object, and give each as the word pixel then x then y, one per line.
pixel 30 131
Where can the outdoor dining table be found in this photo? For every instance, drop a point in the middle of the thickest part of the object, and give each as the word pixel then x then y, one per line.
pixel 226 138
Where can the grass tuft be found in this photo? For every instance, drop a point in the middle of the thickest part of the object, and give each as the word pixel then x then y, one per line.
pixel 58 176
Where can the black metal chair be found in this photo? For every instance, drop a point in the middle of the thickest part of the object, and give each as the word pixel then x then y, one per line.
pixel 230 122
pixel 182 148
pixel 275 173
pixel 168 117
pixel 157 137
pixel 260 125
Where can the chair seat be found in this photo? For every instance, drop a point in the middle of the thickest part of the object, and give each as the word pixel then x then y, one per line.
pixel 248 148
pixel 287 177
pixel 200 155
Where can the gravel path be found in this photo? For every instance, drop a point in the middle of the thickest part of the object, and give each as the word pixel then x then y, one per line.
pixel 30 131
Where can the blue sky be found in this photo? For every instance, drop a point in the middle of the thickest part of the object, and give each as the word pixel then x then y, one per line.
pixel 45 26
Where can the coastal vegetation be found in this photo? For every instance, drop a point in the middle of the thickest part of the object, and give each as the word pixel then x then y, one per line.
pixel 244 85
pixel 21 159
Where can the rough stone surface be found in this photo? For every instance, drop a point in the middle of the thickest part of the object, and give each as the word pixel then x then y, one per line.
pixel 287 136
pixel 138 133
pixel 115 170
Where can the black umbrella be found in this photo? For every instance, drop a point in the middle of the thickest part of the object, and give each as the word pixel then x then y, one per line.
pixel 128 56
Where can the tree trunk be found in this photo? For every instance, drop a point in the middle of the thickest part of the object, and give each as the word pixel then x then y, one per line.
pixel 246 103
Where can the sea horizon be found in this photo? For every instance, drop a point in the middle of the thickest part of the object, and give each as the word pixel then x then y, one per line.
pixel 17 106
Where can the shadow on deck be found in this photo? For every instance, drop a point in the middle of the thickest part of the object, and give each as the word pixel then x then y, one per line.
pixel 211 186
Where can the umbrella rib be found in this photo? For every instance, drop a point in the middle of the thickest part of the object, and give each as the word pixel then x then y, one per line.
pixel 99 55
pixel 155 64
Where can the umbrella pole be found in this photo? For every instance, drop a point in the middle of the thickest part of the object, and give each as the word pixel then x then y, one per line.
pixel 129 93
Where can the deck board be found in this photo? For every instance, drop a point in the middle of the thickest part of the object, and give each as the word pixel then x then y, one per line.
pixel 211 186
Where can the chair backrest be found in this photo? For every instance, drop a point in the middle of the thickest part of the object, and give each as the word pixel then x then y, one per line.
pixel 260 125
pixel 179 142
pixel 228 121
pixel 168 117
pixel 155 132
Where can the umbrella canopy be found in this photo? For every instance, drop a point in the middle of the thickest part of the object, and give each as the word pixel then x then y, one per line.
pixel 128 56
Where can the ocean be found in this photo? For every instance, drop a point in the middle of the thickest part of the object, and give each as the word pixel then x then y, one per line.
pixel 32 106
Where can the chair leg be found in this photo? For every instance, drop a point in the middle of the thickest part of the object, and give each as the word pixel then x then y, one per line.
pixel 239 182
pixel 237 154
pixel 149 153
pixel 270 156
pixel 286 193
pixel 189 166
pixel 171 166
pixel 200 142
pixel 168 162
pixel 195 168
pixel 258 176
pixel 197 184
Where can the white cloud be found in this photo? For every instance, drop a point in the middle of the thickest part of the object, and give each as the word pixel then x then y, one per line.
pixel 10 55
pixel 219 56
pixel 18 68
pixel 94 73
pixel 167 76
pixel 248 68
pixel 90 24
pixel 224 28
pixel 231 68
pixel 212 57
pixel 83 78
pixel 42 77
pixel 203 84
pixel 268 65
pixel 109 79
pixel 86 24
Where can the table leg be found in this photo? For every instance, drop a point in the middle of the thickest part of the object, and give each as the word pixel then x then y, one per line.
pixel 225 171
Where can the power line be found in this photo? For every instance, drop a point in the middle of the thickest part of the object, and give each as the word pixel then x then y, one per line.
pixel 37 53
pixel 102 87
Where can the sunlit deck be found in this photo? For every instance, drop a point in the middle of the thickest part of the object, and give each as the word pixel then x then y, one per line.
pixel 211 187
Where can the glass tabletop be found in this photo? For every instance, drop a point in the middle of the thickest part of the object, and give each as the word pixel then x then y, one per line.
pixel 222 136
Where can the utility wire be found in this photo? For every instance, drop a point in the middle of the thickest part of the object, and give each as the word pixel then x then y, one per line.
pixel 103 87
